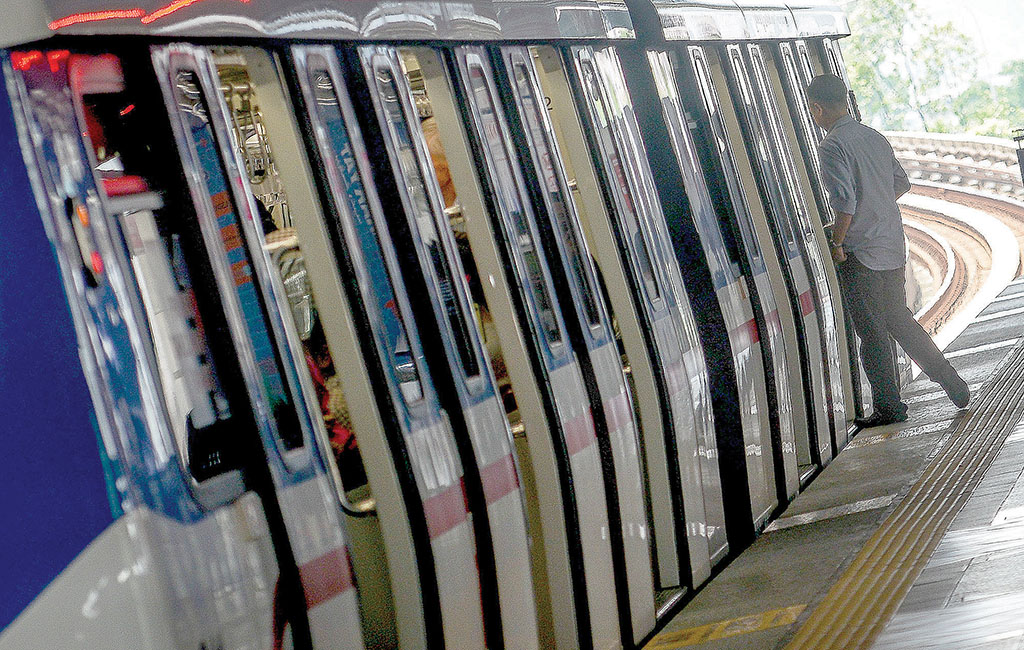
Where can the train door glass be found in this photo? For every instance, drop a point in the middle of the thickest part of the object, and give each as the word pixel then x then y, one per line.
pixel 836 65
pixel 642 259
pixel 724 260
pixel 804 75
pixel 265 139
pixel 762 147
pixel 446 266
pixel 721 144
pixel 807 130
pixel 194 111
pixel 165 255
pixel 765 98
pixel 387 305
pixel 546 157
pixel 513 208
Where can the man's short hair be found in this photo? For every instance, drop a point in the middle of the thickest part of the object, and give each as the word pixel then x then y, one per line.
pixel 827 90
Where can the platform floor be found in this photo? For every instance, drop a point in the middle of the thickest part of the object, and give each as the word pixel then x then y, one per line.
pixel 913 537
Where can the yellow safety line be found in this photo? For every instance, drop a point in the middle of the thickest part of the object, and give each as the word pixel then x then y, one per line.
pixel 723 629
pixel 868 593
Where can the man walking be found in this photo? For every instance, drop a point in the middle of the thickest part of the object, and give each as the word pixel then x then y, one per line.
pixel 864 179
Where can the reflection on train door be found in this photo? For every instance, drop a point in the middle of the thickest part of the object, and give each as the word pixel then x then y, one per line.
pixel 806 133
pixel 814 256
pixel 296 458
pixel 537 130
pixel 731 295
pixel 639 227
pixel 781 359
pixel 488 442
pixel 777 200
pixel 167 391
pixel 517 224
pixel 525 288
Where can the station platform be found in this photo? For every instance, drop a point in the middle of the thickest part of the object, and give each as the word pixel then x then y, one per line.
pixel 913 537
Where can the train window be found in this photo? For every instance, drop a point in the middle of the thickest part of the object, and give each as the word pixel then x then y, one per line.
pixel 545 157
pixel 758 123
pixel 617 170
pixel 686 152
pixel 515 211
pixel 802 75
pixel 389 312
pixel 443 262
pixel 264 134
pixel 164 255
pixel 721 142
pixel 780 143
pixel 810 134
pixel 194 110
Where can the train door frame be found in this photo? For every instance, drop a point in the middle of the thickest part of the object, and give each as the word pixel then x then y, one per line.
pixel 545 76
pixel 776 200
pixel 852 374
pixel 361 238
pixel 553 361
pixel 711 270
pixel 626 143
pixel 477 413
pixel 153 488
pixel 243 235
pixel 516 219
pixel 710 62
pixel 774 114
pixel 784 73
pixel 633 245
pixel 723 165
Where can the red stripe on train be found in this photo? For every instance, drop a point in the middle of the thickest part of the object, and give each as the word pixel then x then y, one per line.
pixel 579 432
pixel 326 577
pixel 806 303
pixel 618 412
pixel 749 331
pixel 445 510
pixel 500 479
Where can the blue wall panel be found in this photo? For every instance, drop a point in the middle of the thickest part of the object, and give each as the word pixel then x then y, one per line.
pixel 53 497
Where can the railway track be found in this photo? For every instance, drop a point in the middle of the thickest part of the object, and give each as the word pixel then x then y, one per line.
pixel 959 267
pixel 1010 213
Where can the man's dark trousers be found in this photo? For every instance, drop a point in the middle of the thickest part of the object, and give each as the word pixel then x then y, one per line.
pixel 877 301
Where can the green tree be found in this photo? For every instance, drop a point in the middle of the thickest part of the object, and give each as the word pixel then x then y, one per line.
pixel 909 73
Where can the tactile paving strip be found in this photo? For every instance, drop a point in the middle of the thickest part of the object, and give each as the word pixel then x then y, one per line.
pixel 868 593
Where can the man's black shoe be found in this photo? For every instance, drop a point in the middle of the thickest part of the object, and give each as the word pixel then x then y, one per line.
pixel 879 419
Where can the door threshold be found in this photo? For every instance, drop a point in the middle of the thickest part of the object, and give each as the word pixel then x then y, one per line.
pixel 665 600
pixel 807 472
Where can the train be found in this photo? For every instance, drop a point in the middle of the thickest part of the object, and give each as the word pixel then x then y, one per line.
pixel 451 324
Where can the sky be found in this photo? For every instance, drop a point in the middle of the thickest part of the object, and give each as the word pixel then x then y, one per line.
pixel 995 26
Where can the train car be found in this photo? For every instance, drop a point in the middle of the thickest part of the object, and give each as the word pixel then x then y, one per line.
pixel 490 324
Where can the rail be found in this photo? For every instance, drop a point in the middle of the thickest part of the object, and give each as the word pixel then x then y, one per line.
pixel 988 164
